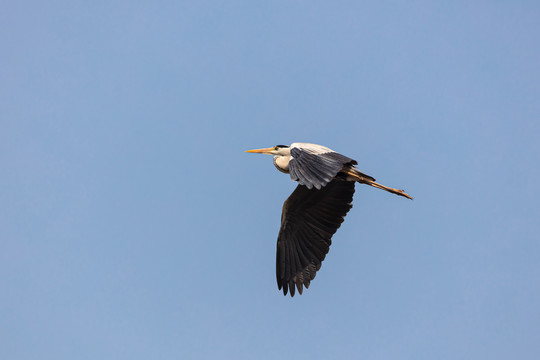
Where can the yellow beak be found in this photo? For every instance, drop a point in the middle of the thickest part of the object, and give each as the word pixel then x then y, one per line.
pixel 261 151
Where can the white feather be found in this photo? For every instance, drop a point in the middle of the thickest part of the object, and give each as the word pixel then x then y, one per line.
pixel 312 148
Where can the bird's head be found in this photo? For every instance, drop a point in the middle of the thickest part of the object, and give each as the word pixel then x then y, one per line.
pixel 278 150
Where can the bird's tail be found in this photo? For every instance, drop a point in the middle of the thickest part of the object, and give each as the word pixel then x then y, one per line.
pixel 366 179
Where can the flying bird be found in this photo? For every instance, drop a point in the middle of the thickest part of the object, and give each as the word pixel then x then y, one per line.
pixel 315 210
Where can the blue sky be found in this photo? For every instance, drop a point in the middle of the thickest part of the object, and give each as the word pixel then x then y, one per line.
pixel 134 226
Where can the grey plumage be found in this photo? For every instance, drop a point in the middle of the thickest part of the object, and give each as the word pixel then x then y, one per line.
pixel 316 170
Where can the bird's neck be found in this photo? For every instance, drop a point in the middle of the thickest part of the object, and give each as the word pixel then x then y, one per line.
pixel 282 163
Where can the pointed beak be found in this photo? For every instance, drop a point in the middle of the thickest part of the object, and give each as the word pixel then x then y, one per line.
pixel 261 151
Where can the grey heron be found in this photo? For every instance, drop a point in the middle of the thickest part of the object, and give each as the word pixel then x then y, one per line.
pixel 315 210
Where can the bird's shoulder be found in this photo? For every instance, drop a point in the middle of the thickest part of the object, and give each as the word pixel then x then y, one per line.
pixel 308 152
pixel 311 148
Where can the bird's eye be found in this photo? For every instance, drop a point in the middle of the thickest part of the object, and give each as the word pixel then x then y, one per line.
pixel 275 147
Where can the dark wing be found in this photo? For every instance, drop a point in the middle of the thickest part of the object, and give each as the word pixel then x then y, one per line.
pixel 309 219
pixel 316 169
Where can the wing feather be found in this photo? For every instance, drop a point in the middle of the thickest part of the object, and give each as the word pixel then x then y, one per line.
pixel 314 165
pixel 309 219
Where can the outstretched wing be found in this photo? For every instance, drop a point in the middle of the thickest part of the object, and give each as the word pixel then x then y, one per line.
pixel 309 219
pixel 315 165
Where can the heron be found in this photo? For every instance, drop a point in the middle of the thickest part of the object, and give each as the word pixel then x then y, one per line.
pixel 313 213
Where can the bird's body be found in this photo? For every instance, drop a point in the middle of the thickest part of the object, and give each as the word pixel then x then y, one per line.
pixel 315 210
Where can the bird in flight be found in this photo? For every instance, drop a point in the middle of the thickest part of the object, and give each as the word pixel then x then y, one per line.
pixel 315 210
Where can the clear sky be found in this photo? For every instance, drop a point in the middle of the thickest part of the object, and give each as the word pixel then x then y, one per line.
pixel 134 226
